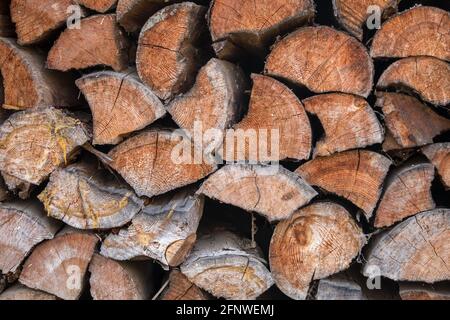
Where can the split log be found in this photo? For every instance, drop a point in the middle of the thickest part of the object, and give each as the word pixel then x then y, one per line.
pixel 407 192
pixel 439 155
pixel 167 63
pixel 37 20
pixel 19 292
pixel 165 230
pixel 38 85
pixel 214 102
pixel 316 242
pixel 36 142
pixel 322 59
pixel 419 291
pixel 254 25
pixel 120 104
pixel 348 121
pixel 420 31
pixel 339 287
pixel 415 250
pixel 107 45
pixel 353 14
pixel 277 119
pixel 6 26
pixel 115 280
pixel 427 76
pixel 85 197
pixel 23 225
pixel 390 144
pixel 273 192
pixel 180 288
pixel 155 162
pixel 98 5
pixel 227 266
pixel 355 175
pixel 58 266
pixel 132 14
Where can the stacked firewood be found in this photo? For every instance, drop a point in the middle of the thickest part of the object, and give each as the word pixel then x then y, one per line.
pixel 107 191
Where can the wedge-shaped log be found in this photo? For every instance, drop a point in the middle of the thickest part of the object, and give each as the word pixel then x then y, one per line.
pixel 23 225
pixel 317 241
pixel 167 62
pixel 411 122
pixel 407 192
pixel 59 266
pixel 415 250
pixel 426 76
pixel 98 5
pixel 353 14
pixel 273 192
pixel 36 142
pixel 106 45
pixel 27 83
pixel 254 25
pixel 322 59
pixel 85 197
pixel 20 292
pixel 348 122
pixel 180 288
pixel 155 162
pixel 164 231
pixel 116 280
pixel 226 266
pixel 120 104
pixel 355 175
pixel 420 31
pixel 214 102
pixel 420 291
pixel 439 155
pixel 276 118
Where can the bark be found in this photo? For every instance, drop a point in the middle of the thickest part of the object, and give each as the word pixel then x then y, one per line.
pixel 419 291
pixel 20 292
pixel 98 5
pixel 439 155
pixel 180 288
pixel 339 287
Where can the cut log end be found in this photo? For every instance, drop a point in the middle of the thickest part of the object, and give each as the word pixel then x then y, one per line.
pixel 20 292
pixel 180 288
pixel 439 155
pixel 98 5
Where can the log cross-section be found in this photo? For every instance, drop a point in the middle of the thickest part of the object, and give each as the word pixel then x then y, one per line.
pixel 439 155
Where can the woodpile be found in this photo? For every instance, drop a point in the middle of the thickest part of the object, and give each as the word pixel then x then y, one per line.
pixel 172 150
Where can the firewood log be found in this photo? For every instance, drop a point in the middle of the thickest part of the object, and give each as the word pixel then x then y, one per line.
pixel 6 26
pixel 407 192
pixel 38 85
pixel 254 25
pixel 317 241
pixel 85 197
pixel 164 231
pixel 390 144
pixel 272 107
pixel 23 225
pixel 420 31
pixel 227 266
pixel 339 287
pixel 157 161
pixel 353 14
pixel 120 104
pixel 106 46
pixel 411 123
pixel 115 280
pixel 98 5
pixel 59 266
pixel 348 121
pixel 180 288
pixel 417 249
pixel 214 102
pixel 273 192
pixel 419 291
pixel 439 155
pixel 36 142
pixel 22 293
pixel 167 62
pixel 427 76
pixel 36 20
pixel 356 175
pixel 338 62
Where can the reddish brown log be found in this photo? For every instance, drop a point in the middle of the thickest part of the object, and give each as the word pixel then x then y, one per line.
pixel 27 83
pixel 420 291
pixel 439 155
pixel 355 175
pixel 316 242
pixel 120 104
pixel 180 288
pixel 348 121
pixel 106 45
pixel 420 31
pixel 98 5
pixel 167 62
pixel 427 76
pixel 19 292
pixel 322 59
